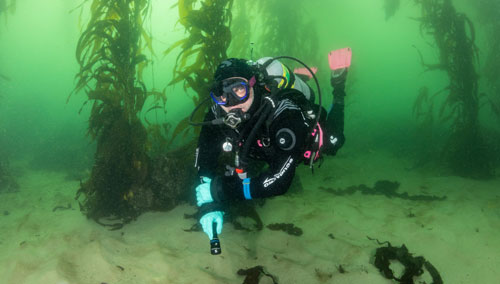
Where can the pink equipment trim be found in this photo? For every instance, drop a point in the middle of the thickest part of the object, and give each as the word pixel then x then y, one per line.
pixel 305 72
pixel 308 153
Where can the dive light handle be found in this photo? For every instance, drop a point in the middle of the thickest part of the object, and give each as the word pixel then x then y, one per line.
pixel 215 243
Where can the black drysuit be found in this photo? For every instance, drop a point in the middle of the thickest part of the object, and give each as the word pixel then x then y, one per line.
pixel 282 152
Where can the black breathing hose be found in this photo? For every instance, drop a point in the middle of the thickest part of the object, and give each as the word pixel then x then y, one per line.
pixel 266 110
pixel 213 122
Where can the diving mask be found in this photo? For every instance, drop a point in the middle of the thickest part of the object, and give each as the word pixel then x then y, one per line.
pixel 232 91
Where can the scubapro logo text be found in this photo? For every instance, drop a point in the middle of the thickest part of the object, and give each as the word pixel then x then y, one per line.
pixel 269 181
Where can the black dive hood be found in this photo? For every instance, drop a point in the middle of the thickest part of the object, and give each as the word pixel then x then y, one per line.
pixel 261 104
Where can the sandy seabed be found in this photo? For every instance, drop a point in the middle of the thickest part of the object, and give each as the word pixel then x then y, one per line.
pixel 459 236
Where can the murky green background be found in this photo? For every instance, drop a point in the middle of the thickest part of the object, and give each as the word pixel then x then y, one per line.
pixel 37 54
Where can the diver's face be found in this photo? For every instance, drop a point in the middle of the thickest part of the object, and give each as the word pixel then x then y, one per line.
pixel 243 106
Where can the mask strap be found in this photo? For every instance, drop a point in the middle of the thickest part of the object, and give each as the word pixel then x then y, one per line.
pixel 252 81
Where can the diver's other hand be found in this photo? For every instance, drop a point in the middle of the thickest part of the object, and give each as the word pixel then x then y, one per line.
pixel 333 144
pixel 203 194
pixel 207 220
pixel 338 77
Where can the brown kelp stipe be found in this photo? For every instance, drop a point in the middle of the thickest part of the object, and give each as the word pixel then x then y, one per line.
pixel 453 33
pixel 111 59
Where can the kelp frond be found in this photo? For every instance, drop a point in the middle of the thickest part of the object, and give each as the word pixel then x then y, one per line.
pixel 109 53
pixel 207 23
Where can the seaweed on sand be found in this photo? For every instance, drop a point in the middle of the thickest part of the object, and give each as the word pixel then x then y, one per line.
pixel 413 265
pixel 254 274
pixel 110 53
pixel 207 23
pixel 288 228
pixel 385 188
pixel 453 33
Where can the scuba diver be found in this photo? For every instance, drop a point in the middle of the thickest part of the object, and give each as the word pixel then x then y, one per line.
pixel 261 111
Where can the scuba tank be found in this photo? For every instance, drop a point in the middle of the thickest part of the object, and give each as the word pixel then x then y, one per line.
pixel 283 77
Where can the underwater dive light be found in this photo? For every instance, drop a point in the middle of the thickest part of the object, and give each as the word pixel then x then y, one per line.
pixel 215 243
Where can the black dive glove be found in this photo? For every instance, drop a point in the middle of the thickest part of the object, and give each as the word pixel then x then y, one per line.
pixel 335 138
pixel 333 144
pixel 338 78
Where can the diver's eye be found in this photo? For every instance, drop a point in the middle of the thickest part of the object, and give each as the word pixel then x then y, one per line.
pixel 240 90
